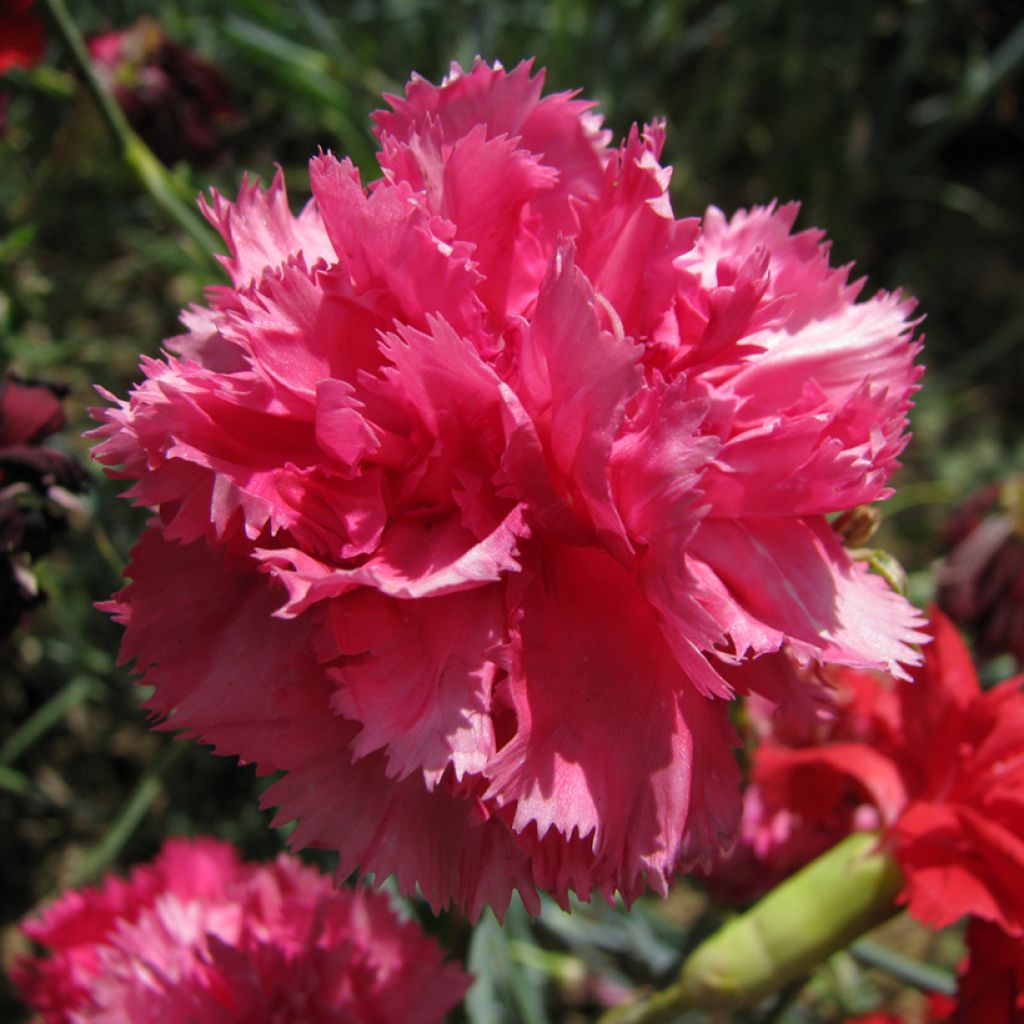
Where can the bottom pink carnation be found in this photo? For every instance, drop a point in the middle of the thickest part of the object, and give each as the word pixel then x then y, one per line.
pixel 200 936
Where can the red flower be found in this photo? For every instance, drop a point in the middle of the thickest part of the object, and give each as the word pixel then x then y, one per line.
pixel 22 35
pixel 943 763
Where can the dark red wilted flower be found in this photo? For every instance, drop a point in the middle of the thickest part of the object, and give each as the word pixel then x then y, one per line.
pixel 942 763
pixel 22 35
pixel 981 584
pixel 177 101
pixel 35 490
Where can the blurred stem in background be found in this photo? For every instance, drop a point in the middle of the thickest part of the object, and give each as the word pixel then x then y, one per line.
pixel 163 187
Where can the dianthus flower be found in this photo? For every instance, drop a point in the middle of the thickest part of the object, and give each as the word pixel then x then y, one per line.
pixel 473 483
pixel 199 936
pixel 942 764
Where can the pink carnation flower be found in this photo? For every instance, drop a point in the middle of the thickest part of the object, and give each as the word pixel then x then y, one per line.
pixel 475 482
pixel 199 936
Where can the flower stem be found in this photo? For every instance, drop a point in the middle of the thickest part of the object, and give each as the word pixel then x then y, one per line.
pixel 813 914
pixel 149 787
pixel 913 972
pixel 164 189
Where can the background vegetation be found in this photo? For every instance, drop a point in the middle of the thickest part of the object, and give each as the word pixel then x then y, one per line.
pixel 900 125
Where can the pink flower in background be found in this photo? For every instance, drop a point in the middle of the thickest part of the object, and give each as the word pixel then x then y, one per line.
pixel 477 487
pixel 200 936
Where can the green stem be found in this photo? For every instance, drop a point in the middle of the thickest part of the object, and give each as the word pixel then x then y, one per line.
pixel 99 858
pixel 164 189
pixel 913 972
pixel 46 717
pixel 814 913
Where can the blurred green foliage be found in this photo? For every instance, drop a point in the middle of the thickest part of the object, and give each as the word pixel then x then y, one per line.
pixel 898 123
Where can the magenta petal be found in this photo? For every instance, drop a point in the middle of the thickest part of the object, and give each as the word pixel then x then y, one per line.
pixel 416 676
pixel 627 785
pixel 558 128
pixel 631 240
pixel 262 233
pixel 658 461
pixel 341 429
pixel 577 378
pixel 416 558
pixel 228 673
pixel 393 248
pixel 795 578
pixel 482 186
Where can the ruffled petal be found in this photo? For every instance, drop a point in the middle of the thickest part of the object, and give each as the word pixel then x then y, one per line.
pixel 416 675
pixel 262 233
pixel 561 130
pixel 630 241
pixel 394 249
pixel 577 765
pixel 576 379
pixel 791 580
pixel 483 187
pixel 227 672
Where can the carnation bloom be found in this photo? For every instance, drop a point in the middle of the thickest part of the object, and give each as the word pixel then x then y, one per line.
pixel 942 763
pixel 200 936
pixel 474 484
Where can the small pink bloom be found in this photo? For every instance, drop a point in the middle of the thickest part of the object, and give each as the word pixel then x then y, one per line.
pixel 477 486
pixel 200 936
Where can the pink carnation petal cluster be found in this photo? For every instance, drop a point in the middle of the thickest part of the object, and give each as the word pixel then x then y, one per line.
pixel 200 936
pixel 476 483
